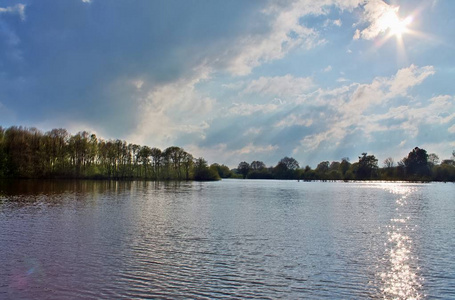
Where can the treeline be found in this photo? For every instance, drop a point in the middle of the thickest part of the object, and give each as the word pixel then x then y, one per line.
pixel 30 153
pixel 417 166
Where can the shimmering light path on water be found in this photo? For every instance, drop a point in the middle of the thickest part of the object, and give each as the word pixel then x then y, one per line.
pixel 235 238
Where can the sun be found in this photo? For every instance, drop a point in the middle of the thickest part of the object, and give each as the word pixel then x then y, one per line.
pixel 392 23
pixel 389 24
pixel 400 26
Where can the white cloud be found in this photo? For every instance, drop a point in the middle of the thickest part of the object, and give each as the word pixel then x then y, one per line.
pixel 327 69
pixel 12 39
pixel 286 33
pixel 356 35
pixel 251 149
pixel 16 9
pixel 409 77
pixel 138 83
pixel 377 14
pixel 234 85
pixel 217 153
pixel 330 22
pixel 170 110
pixel 252 131
pixel 349 108
pixel 383 89
pixel 342 79
pixel 313 141
pixel 280 86
pixel 294 120
pixel 246 109
pixel 87 1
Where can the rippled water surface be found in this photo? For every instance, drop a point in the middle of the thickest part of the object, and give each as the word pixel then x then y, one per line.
pixel 228 239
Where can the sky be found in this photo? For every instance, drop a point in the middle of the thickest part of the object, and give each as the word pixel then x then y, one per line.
pixel 236 80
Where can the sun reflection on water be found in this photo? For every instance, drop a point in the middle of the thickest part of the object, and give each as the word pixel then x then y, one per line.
pixel 399 278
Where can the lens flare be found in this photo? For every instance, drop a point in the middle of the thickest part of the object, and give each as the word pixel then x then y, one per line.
pixel 392 23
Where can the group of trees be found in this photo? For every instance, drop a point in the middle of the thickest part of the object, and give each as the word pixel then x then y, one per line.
pixel 287 168
pixel 29 153
pixel 417 166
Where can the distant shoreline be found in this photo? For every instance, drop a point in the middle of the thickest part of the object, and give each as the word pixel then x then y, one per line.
pixel 56 154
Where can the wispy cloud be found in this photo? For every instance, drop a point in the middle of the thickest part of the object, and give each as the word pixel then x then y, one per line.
pixel 342 79
pixel 252 131
pixel 327 69
pixel 16 9
pixel 409 77
pixel 330 22
pixel 286 33
pixel 294 120
pixel 252 149
pixel 337 22
pixel 169 110
pixel 350 108
pixel 280 86
pixel 246 109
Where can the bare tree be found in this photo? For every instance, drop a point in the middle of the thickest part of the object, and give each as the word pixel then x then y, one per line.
pixel 388 162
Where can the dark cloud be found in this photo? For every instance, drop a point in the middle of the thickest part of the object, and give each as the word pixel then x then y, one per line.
pixel 75 55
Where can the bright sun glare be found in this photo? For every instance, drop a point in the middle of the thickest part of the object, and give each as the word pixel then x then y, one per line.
pixel 396 26
pixel 391 25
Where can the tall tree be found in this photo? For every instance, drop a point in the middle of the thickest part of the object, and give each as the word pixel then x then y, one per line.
pixel 243 168
pixel 202 172
pixel 323 167
pixel 143 157
pixel 286 168
pixel 188 163
pixel 344 165
pixel 175 156
pixel 157 157
pixel 257 165
pixel 290 163
pixel 368 166
pixel 417 162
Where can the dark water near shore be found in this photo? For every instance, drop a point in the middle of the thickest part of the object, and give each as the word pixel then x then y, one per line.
pixel 228 239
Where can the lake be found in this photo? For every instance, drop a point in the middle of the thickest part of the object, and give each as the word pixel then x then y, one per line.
pixel 227 239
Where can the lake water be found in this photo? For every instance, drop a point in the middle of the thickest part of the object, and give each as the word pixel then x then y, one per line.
pixel 227 239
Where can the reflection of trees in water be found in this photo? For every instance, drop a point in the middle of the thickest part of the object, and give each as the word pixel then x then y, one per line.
pixel 13 187
pixel 54 192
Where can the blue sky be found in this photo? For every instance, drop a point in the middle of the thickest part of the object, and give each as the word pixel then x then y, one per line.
pixel 236 80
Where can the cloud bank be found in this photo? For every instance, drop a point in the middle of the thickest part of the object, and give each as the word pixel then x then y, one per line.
pixel 232 80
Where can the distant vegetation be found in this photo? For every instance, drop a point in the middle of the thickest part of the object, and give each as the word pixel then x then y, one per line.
pixel 417 166
pixel 30 153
